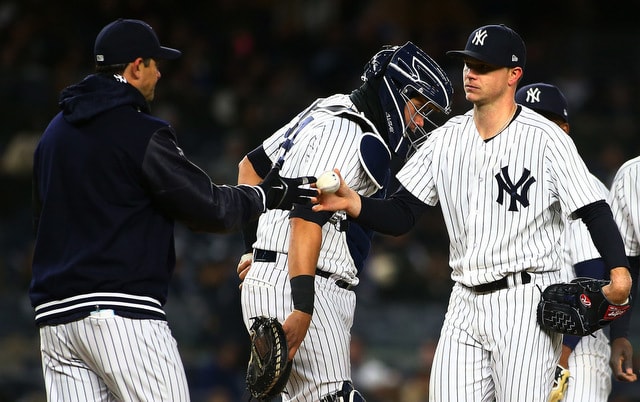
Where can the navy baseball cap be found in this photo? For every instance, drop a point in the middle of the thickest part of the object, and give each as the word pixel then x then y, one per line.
pixel 497 45
pixel 124 40
pixel 544 99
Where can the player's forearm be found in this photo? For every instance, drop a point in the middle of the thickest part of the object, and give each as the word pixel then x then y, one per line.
pixel 620 327
pixel 604 233
pixel 247 174
pixel 619 289
pixel 304 249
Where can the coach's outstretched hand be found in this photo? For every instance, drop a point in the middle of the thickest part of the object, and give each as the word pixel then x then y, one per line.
pixel 282 193
pixel 344 199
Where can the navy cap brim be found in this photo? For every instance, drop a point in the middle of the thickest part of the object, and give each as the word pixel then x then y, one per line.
pixel 468 53
pixel 167 53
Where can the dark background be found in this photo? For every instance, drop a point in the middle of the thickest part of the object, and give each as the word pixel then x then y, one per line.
pixel 247 68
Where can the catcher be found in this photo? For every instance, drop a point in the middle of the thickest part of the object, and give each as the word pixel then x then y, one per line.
pixel 305 265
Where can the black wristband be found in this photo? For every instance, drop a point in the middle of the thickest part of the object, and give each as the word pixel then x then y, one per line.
pixel 303 290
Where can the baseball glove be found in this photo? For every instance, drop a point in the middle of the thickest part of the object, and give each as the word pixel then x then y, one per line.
pixel 269 366
pixel 560 383
pixel 578 307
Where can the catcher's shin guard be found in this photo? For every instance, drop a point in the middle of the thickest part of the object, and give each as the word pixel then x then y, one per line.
pixel 346 394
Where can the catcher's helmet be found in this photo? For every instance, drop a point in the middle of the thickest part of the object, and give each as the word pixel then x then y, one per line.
pixel 406 71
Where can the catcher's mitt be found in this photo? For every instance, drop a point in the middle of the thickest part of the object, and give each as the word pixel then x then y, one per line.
pixel 578 308
pixel 269 368
pixel 560 383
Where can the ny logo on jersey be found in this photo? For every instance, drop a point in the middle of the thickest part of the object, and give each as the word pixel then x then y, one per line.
pixel 533 95
pixel 479 37
pixel 506 185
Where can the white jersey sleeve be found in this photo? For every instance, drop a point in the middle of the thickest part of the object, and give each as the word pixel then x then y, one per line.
pixel 624 198
pixel 579 246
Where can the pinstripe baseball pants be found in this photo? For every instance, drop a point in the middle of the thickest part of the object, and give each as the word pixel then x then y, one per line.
pixel 323 361
pixel 111 358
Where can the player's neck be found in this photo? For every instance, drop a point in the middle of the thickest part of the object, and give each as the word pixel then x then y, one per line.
pixel 491 120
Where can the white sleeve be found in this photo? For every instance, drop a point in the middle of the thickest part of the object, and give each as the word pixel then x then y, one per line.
pixel 624 198
pixel 574 185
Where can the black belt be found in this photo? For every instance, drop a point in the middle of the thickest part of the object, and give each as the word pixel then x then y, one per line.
pixel 500 284
pixel 264 255
pixel 339 282
pixel 260 255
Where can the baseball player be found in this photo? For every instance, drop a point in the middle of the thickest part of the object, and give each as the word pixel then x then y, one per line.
pixel 305 264
pixel 588 365
pixel 623 197
pixel 108 182
pixel 506 179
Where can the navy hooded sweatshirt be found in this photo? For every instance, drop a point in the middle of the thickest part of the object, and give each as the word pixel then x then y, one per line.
pixel 109 181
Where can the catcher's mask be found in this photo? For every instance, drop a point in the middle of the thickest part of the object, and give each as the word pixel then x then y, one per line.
pixel 408 72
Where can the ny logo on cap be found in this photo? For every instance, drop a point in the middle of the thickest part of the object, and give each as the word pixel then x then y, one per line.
pixel 533 95
pixel 479 37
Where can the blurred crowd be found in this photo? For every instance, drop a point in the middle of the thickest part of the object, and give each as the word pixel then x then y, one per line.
pixel 247 68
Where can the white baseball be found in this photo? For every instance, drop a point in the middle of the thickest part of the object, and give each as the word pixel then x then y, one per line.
pixel 246 257
pixel 328 182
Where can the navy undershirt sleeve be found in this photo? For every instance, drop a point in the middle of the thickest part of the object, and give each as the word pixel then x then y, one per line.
pixel 604 232
pixel 591 269
pixel 571 341
pixel 393 216
pixel 260 161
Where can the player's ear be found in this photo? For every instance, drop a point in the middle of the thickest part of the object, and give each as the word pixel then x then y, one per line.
pixel 134 67
pixel 515 73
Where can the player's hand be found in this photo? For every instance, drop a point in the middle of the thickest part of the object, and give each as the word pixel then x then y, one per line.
pixel 282 192
pixel 243 267
pixel 621 360
pixel 296 327
pixel 345 199
pixel 617 292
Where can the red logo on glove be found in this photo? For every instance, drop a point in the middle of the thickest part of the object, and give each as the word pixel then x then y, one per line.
pixel 584 299
pixel 614 312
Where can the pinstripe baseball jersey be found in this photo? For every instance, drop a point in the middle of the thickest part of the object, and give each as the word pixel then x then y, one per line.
pixel 624 199
pixel 325 142
pixel 504 201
